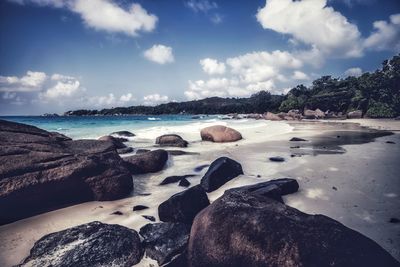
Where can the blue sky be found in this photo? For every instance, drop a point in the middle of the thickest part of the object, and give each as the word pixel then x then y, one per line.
pixel 57 55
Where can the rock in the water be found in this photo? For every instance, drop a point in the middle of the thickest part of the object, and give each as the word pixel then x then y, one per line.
pixel 219 133
pixel 297 139
pixel 41 171
pixel 163 241
pixel 183 206
pixel 139 207
pixel 116 141
pixel 181 153
pixel 175 179
pixel 123 134
pixel 220 171
pixel 152 161
pixel 150 218
pixel 274 189
pixel 184 183
pixel 357 114
pixel 390 142
pixel 171 140
pixel 394 220
pixel 277 159
pixel 201 167
pixel 272 116
pixel 125 150
pixel 241 229
pixel 92 244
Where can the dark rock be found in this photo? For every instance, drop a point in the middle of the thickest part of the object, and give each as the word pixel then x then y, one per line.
pixel 171 140
pixel 41 171
pixel 175 179
pixel 144 194
pixel 277 159
pixel 152 161
pixel 220 171
pixel 219 133
pixel 201 167
pixel 274 189
pixel 115 141
pixel 184 183
pixel 241 229
pixel 183 206
pixel 92 244
pixel 297 139
pixel 142 150
pixel 150 218
pixel 125 150
pixel 394 220
pixel 181 153
pixel 294 146
pixel 123 134
pixel 163 241
pixel 390 142
pixel 139 207
pixel 334 188
pixel 117 213
pixel 178 261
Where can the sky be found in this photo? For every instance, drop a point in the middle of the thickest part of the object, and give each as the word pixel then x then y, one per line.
pixel 59 55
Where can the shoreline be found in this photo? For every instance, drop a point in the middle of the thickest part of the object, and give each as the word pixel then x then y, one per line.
pixel 252 153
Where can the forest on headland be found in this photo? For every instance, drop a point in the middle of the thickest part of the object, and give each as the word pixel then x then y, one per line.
pixel 376 94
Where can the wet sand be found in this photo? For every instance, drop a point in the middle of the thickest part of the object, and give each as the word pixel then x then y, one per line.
pixel 352 178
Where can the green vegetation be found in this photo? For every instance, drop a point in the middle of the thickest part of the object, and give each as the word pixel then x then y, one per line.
pixel 376 94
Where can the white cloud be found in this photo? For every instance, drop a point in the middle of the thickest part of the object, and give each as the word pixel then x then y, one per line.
pixel 105 15
pixel 212 66
pixel 260 66
pixel 126 98
pixel 299 75
pixel 160 54
pixel 61 90
pixel 154 99
pixel 386 35
pixel 314 23
pixel 353 72
pixel 201 5
pixel 32 81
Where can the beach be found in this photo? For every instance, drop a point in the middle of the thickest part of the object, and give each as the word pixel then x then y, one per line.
pixel 345 170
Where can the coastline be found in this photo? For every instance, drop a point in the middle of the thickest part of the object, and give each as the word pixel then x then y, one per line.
pixel 317 172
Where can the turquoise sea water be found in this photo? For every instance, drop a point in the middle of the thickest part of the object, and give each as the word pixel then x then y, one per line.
pixel 94 126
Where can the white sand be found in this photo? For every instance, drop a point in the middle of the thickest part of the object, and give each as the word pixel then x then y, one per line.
pixel 376 200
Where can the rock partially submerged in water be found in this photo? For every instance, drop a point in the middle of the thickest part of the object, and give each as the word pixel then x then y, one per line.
pixel 148 162
pixel 183 206
pixel 42 171
pixel 175 179
pixel 118 142
pixel 171 140
pixel 123 133
pixel 220 171
pixel 92 244
pixel 277 159
pixel 219 134
pixel 241 229
pixel 163 241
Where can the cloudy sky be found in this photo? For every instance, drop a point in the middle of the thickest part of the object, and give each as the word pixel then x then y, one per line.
pixel 57 55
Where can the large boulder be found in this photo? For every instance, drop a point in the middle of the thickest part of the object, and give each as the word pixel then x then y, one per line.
pixel 163 241
pixel 314 114
pixel 171 140
pixel 220 171
pixel 42 171
pixel 117 142
pixel 183 206
pixel 357 114
pixel 92 244
pixel 241 229
pixel 152 161
pixel 219 133
pixel 272 116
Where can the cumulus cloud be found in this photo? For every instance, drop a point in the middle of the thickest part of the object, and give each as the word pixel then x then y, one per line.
pixel 154 99
pixel 160 54
pixel 129 21
pixel 356 72
pixel 386 35
pixel 212 66
pixel 62 87
pixel 299 75
pixel 126 98
pixel 32 81
pixel 201 5
pixel 313 23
